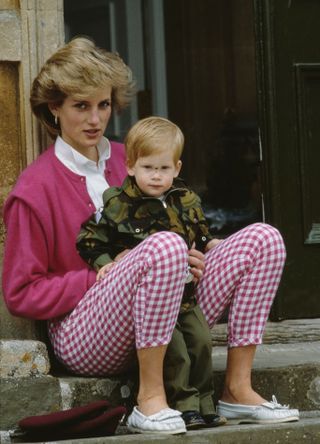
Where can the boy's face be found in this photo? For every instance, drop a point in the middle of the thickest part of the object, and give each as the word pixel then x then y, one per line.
pixel 154 174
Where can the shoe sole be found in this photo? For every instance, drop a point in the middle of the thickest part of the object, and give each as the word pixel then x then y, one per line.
pixel 194 426
pixel 215 424
pixel 157 432
pixel 261 421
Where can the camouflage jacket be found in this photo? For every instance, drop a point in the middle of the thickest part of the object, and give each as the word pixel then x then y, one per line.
pixel 128 217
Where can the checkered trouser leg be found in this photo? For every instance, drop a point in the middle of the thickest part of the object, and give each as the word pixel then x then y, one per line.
pixel 243 272
pixel 134 306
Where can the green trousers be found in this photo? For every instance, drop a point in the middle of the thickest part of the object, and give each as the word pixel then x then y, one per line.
pixel 188 373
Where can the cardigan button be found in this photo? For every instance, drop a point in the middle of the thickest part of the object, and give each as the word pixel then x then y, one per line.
pixel 203 238
pixel 137 230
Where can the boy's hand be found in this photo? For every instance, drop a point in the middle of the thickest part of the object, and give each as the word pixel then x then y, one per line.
pixel 104 270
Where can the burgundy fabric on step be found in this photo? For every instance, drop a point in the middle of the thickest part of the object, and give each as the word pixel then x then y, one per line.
pixel 98 418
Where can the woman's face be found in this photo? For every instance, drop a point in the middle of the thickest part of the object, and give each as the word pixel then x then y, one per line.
pixel 83 121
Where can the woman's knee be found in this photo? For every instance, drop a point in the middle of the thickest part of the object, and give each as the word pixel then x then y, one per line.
pixel 269 235
pixel 168 243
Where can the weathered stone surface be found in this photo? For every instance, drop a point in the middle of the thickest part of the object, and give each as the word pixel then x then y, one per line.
pixel 9 4
pixel 289 331
pixel 313 394
pixel 291 372
pixel 306 431
pixel 10 35
pixel 30 31
pixel 274 355
pixel 21 397
pixel 23 359
pixel 77 391
pixel 297 386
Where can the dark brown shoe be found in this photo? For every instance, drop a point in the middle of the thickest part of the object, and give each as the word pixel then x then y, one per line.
pixel 193 420
pixel 214 420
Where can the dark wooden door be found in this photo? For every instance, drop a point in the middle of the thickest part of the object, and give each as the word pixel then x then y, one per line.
pixel 288 65
pixel 210 60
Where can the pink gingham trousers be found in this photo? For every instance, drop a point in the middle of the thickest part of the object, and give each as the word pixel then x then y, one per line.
pixel 136 305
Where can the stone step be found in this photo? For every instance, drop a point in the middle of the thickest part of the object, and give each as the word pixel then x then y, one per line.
pixel 307 431
pixel 285 332
pixel 290 371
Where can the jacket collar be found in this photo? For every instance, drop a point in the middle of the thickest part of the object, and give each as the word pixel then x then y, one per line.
pixel 131 188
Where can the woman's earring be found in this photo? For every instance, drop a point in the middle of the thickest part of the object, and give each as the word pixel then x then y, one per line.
pixel 56 120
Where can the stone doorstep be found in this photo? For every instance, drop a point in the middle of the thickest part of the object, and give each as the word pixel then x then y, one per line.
pixel 307 431
pixel 290 371
pixel 23 358
pixel 284 332
pixel 298 385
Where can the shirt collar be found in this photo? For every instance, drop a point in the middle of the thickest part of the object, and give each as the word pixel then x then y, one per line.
pixel 76 161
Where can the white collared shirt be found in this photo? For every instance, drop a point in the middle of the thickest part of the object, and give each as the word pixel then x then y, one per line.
pixel 79 164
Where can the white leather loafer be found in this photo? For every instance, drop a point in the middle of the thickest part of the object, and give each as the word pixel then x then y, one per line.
pixel 267 413
pixel 165 422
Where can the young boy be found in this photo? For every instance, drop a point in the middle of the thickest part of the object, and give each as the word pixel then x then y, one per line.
pixel 152 198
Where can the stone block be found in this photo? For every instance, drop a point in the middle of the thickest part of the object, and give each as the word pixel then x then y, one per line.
pixel 20 359
pixel 9 4
pixel 298 386
pixel 76 391
pixel 10 35
pixel 21 397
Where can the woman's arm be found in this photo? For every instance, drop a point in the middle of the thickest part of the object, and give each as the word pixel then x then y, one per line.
pixel 31 289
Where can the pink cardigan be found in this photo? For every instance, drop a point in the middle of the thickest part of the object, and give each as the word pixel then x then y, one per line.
pixel 43 275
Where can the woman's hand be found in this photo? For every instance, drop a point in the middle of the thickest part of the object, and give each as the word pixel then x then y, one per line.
pixel 104 270
pixel 196 263
pixel 213 243
pixel 122 255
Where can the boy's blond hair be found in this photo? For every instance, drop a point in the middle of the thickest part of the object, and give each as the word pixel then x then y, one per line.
pixel 153 135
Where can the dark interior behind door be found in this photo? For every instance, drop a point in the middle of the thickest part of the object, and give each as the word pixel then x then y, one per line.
pixel 288 56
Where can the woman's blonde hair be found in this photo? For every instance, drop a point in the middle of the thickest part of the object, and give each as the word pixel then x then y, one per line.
pixel 78 69
pixel 153 135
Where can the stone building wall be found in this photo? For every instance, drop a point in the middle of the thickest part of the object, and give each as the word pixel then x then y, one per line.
pixel 30 31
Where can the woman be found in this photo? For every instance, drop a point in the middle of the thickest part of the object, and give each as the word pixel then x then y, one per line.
pixel 97 326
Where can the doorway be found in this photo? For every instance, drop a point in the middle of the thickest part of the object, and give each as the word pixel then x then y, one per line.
pixel 134 29
pixel 210 57
pixel 194 63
